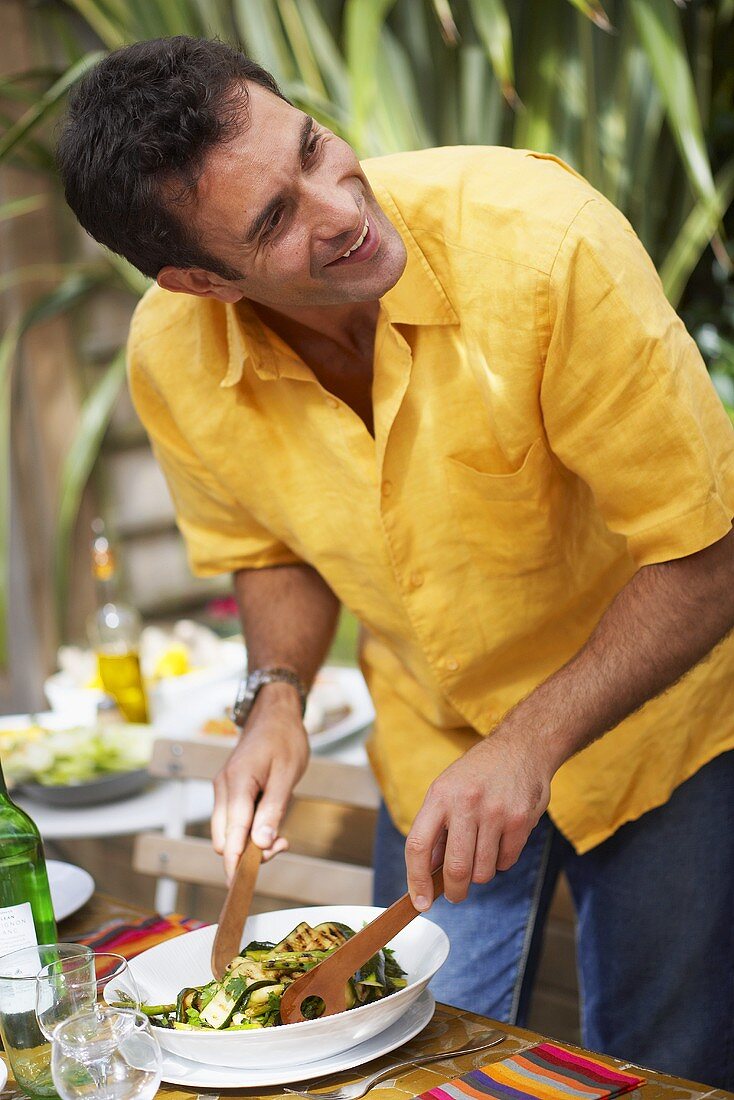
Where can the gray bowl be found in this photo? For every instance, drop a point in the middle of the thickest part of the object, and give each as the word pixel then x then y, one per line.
pixel 109 788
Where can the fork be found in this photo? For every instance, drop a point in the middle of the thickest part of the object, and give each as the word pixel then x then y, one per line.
pixel 481 1041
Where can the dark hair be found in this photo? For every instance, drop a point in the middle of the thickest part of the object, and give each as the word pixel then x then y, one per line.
pixel 133 143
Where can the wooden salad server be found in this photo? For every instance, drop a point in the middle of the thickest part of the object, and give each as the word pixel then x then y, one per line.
pixel 235 910
pixel 329 979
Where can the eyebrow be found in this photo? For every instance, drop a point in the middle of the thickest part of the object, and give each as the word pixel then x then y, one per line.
pixel 262 218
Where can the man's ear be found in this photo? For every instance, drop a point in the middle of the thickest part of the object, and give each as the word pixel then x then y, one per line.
pixel 200 283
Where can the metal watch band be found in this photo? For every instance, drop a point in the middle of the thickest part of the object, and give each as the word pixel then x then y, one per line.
pixel 251 684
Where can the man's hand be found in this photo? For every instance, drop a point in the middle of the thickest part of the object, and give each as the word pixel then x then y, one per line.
pixel 483 807
pixel 267 763
pixel 477 817
pixel 289 616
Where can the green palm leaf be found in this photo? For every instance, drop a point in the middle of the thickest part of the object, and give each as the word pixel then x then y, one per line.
pixel 659 29
pixel 47 103
pixel 446 21
pixel 593 10
pixel 300 43
pixel 326 53
pixel 480 100
pixel 60 299
pixel 396 122
pixel 108 27
pixel 493 26
pixel 82 454
pixel 17 207
pixel 364 21
pixel 696 232
pixel 536 125
pixel 262 33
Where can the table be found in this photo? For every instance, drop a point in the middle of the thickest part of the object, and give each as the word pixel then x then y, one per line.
pixel 449 1027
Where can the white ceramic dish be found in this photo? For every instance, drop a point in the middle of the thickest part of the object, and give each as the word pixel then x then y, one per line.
pixel 179 1071
pixel 70 887
pixel 168 698
pixel 348 684
pixel 162 971
pixel 343 688
pixel 49 719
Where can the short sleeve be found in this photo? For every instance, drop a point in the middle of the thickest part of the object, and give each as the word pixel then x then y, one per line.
pixel 627 402
pixel 220 534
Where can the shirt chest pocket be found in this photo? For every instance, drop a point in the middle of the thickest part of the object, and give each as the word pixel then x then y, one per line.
pixel 510 520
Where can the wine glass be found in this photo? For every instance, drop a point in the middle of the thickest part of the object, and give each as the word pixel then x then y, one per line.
pixel 76 984
pixel 28 1051
pixel 106 1053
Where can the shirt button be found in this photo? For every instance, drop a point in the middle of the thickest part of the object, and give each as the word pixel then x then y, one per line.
pixel 452 664
pixel 416 579
pixel 386 488
pixel 332 402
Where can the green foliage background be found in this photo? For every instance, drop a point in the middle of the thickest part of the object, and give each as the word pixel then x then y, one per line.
pixel 635 94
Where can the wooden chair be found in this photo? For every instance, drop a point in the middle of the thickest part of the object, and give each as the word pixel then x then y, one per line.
pixel 329 827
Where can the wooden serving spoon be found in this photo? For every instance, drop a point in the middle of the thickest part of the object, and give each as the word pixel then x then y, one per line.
pixel 235 909
pixel 329 979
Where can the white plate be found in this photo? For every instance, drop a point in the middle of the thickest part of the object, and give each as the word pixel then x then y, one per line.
pixel 189 711
pixel 3 1074
pixel 70 887
pixel 350 684
pixel 48 719
pixel 180 1071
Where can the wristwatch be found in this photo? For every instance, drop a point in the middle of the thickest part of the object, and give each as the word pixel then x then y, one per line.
pixel 258 678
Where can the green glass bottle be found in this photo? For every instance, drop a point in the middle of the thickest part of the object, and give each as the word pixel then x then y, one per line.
pixel 26 912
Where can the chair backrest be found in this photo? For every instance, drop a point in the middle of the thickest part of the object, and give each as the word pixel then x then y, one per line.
pixel 329 828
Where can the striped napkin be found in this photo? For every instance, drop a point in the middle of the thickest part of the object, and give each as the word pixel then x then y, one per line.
pixel 546 1071
pixel 131 938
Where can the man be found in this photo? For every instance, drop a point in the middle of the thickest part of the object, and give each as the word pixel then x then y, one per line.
pixel 445 389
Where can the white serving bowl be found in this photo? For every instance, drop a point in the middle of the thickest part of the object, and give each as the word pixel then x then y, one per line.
pixel 178 704
pixel 162 971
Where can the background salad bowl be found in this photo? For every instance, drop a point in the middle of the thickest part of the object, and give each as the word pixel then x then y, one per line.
pixel 162 971
pixel 49 759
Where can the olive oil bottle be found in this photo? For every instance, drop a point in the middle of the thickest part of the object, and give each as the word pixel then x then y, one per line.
pixel 26 913
pixel 114 634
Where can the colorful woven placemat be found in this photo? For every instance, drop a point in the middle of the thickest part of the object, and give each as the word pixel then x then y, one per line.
pixel 546 1071
pixel 131 938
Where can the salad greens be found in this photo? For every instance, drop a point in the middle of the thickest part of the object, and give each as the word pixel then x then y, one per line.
pixel 249 994
pixel 72 756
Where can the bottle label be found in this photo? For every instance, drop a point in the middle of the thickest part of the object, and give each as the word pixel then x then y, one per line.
pixel 17 928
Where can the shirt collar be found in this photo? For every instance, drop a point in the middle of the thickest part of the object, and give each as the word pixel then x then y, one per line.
pixel 246 340
pixel 417 298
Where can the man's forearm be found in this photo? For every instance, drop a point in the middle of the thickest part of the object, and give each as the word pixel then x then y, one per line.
pixel 289 616
pixel 478 814
pixel 665 620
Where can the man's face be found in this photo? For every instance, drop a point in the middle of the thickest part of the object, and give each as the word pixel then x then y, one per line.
pixel 283 202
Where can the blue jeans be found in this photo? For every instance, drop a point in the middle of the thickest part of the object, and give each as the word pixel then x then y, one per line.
pixel 655 937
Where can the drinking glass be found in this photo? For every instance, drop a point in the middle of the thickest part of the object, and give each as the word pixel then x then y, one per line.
pixel 75 984
pixel 29 1052
pixel 106 1054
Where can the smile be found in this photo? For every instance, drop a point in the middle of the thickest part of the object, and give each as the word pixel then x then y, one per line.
pixel 364 247
pixel 360 239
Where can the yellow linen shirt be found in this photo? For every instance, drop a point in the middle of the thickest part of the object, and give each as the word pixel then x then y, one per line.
pixel 543 427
